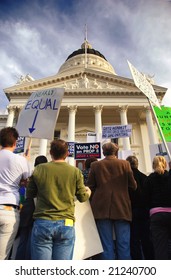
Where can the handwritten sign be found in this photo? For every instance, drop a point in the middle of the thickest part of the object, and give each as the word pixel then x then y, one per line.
pixel 116 131
pixel 142 83
pixel 38 117
pixel 87 150
pixel 20 145
pixel 164 119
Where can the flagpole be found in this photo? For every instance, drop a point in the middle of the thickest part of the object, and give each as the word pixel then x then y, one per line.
pixel 85 42
pixel 160 130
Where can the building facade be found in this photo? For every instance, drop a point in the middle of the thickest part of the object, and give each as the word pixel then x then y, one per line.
pixel 94 96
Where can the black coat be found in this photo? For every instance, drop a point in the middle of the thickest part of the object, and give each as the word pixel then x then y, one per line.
pixel 137 200
pixel 157 190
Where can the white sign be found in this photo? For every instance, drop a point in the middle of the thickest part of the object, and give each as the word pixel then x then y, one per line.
pixel 91 137
pixel 142 83
pixel 116 131
pixel 38 117
pixel 87 242
pixel 166 101
pixel 159 150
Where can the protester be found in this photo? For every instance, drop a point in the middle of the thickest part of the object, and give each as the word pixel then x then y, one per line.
pixel 13 169
pixel 55 184
pixel 109 180
pixel 26 222
pixel 157 194
pixel 141 245
pixel 86 170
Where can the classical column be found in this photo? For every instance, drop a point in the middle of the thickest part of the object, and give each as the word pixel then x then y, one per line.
pixel 17 112
pixel 150 126
pixel 98 121
pixel 71 129
pixel 43 147
pixel 71 123
pixel 11 114
pixel 124 121
pixel 145 147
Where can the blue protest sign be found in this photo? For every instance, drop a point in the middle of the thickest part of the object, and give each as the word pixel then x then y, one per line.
pixel 20 145
pixel 71 149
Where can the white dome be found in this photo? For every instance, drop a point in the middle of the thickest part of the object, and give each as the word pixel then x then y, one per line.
pixel 89 56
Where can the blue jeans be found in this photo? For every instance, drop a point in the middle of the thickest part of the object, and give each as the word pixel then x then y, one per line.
pixel 52 240
pixel 114 249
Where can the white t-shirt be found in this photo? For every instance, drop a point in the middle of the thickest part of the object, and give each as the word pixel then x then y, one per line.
pixel 13 168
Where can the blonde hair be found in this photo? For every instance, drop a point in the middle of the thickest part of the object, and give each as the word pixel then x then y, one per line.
pixel 159 164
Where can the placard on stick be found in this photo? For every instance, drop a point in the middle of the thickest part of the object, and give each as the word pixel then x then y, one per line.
pixel 38 117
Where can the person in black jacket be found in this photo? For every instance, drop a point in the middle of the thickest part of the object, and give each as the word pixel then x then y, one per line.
pixel 157 194
pixel 141 245
pixel 86 170
pixel 26 222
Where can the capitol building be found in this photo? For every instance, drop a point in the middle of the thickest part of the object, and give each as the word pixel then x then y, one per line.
pixel 95 96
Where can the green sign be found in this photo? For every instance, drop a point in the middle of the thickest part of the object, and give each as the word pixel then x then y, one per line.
pixel 164 119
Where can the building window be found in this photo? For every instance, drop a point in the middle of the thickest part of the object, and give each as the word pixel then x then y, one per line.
pixel 56 134
pixel 114 140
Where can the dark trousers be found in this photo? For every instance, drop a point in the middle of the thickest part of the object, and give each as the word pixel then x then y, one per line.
pixel 24 247
pixel 160 226
pixel 141 244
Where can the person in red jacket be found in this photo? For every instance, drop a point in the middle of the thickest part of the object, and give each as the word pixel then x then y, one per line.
pixel 109 180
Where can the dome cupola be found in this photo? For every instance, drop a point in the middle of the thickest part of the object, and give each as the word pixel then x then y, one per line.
pixel 86 57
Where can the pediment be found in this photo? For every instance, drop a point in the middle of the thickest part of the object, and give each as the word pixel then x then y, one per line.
pixel 83 131
pixel 87 82
pixel 75 81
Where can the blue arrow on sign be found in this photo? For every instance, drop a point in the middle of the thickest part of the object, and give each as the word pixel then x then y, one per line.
pixel 31 129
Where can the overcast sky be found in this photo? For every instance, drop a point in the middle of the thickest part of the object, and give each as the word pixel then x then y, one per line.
pixel 37 36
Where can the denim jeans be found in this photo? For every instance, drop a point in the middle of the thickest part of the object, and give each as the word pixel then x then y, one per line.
pixel 114 249
pixel 52 240
pixel 9 222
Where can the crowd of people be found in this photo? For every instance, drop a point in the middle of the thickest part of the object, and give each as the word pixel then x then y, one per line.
pixel 132 211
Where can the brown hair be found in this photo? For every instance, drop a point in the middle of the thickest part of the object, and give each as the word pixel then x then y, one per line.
pixel 159 164
pixel 133 161
pixel 59 149
pixel 110 149
pixel 8 136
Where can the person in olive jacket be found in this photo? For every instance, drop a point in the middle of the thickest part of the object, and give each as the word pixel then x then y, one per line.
pixel 109 180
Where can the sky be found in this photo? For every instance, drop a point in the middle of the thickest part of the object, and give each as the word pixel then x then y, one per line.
pixel 37 36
